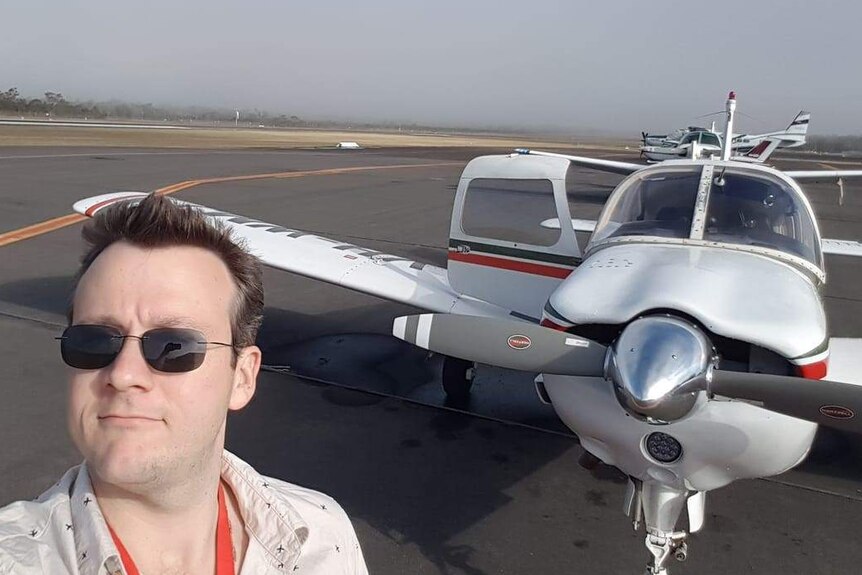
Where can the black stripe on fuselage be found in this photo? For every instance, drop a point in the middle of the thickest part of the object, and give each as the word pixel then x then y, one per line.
pixel 515 253
pixel 524 316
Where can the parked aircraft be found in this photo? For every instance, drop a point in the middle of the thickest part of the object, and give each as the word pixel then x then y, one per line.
pixel 681 142
pixel 673 138
pixel 691 145
pixel 687 345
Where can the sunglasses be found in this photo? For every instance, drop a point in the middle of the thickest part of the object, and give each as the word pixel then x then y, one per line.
pixel 167 349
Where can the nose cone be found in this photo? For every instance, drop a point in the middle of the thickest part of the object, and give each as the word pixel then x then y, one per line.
pixel 650 362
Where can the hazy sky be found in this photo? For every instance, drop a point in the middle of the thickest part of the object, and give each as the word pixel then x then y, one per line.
pixel 624 66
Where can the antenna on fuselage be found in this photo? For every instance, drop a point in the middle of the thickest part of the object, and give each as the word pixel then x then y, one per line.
pixel 730 107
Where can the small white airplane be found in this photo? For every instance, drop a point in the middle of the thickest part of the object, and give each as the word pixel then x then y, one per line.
pixel 673 138
pixel 693 144
pixel 687 345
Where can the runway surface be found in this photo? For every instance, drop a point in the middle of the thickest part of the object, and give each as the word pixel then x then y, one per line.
pixel 430 489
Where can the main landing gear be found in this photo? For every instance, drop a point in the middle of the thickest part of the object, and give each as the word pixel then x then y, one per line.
pixel 457 378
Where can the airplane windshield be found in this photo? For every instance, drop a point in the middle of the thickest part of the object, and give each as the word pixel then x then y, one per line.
pixel 744 207
pixel 658 204
pixel 703 138
pixel 757 210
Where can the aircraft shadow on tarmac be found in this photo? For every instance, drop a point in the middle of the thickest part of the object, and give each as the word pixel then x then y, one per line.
pixel 48 294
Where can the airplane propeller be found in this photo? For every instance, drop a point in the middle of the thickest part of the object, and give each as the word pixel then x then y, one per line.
pixel 830 403
pixel 504 343
pixel 532 348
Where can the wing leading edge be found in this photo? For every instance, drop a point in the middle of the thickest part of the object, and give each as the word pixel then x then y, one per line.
pixel 332 261
pixel 611 166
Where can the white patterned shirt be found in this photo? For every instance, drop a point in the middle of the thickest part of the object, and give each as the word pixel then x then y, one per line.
pixel 291 530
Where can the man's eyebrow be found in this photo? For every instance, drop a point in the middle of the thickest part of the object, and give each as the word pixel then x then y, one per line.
pixel 154 322
pixel 175 321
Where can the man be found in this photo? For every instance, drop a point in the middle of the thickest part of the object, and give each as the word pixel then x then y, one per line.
pixel 160 346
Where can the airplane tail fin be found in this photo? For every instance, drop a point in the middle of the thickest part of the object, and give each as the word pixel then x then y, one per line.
pixel 799 125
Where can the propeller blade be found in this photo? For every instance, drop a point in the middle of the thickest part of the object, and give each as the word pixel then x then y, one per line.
pixel 504 343
pixel 829 403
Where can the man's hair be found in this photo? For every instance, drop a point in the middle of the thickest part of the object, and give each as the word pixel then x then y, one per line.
pixel 157 222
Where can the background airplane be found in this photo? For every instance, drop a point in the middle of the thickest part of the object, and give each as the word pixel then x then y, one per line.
pixel 679 143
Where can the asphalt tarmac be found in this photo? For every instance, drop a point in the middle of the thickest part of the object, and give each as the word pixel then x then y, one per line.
pixel 492 486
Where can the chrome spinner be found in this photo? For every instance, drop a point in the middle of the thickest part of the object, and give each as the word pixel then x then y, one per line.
pixel 651 363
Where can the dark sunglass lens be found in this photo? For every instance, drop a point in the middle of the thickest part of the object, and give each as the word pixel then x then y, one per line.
pixel 90 346
pixel 174 350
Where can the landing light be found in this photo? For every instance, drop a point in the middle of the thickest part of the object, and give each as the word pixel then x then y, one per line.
pixel 663 447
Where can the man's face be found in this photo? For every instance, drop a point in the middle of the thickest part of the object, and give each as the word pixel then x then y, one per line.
pixel 133 424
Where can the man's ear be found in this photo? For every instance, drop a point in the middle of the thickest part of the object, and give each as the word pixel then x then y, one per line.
pixel 245 377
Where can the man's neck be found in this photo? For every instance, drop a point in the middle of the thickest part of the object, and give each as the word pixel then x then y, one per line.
pixel 166 528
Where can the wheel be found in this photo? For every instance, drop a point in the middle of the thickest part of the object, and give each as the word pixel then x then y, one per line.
pixel 457 378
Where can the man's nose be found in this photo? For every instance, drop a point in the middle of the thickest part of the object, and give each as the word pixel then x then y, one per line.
pixel 129 369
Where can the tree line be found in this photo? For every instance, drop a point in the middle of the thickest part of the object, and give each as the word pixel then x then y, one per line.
pixel 834 144
pixel 55 105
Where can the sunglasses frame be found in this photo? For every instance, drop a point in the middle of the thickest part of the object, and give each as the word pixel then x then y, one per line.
pixel 112 334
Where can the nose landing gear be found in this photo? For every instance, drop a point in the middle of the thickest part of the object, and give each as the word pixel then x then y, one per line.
pixel 659 506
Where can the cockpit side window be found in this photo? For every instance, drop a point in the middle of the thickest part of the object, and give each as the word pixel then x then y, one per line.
pixel 688 138
pixel 658 204
pixel 709 139
pixel 757 211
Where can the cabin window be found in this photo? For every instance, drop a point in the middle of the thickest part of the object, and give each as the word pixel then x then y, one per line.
pixel 759 211
pixel 511 210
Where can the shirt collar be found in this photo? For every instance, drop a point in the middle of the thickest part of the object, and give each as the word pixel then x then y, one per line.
pixel 269 518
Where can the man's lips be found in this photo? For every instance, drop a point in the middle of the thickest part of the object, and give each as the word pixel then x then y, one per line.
pixel 130 418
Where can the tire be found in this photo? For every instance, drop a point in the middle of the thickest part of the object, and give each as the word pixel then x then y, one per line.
pixel 457 378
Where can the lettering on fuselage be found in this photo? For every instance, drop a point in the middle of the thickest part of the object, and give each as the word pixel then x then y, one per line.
pixel 351 251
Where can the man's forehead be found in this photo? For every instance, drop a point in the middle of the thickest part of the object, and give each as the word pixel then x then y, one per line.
pixel 171 286
pixel 164 265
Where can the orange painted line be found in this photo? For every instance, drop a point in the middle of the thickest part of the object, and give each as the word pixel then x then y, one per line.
pixel 53 224
pixel 40 228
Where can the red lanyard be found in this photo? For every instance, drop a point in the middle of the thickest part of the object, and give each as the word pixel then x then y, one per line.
pixel 224 547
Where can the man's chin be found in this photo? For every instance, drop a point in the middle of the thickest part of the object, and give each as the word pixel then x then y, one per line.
pixel 128 466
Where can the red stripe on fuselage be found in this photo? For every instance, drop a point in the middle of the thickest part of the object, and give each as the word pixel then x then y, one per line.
pixel 514 265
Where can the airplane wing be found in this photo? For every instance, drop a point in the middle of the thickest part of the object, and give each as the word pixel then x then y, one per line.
pixel 822 176
pixel 340 263
pixel 845 360
pixel 825 177
pixel 759 153
pixel 577 225
pixel 841 247
pixel 612 166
